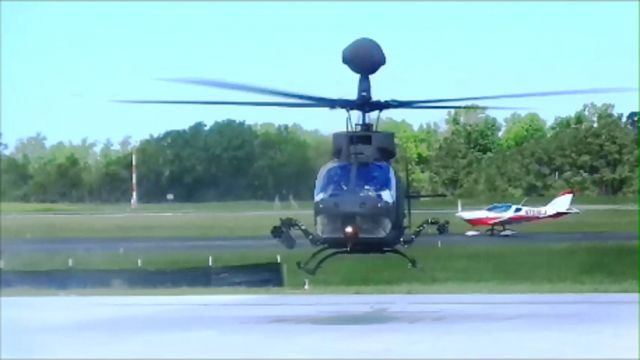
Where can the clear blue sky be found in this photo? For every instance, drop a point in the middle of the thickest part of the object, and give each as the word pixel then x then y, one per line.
pixel 62 62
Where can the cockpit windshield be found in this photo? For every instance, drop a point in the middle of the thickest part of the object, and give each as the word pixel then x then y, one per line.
pixel 376 178
pixel 499 208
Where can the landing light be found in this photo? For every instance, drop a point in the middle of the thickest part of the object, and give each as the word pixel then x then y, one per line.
pixel 348 230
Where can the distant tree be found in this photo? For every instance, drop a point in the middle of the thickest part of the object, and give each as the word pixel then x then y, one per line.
pixel 520 129
pixel 106 150
pixel 452 163
pixel 125 144
pixel 230 148
pixel 113 180
pixel 592 151
pixel 415 148
pixel 3 146
pixel 632 121
pixel 35 147
pixel 153 168
pixel 14 178
pixel 479 131
pixel 319 144
pixel 283 165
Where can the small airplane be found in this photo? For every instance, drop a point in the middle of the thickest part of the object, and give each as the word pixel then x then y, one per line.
pixel 503 214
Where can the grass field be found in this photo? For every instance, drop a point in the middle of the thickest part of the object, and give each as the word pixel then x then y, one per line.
pixel 253 218
pixel 220 224
pixel 244 206
pixel 568 267
pixel 575 267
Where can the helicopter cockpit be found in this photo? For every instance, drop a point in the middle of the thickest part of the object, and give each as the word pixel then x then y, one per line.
pixel 374 179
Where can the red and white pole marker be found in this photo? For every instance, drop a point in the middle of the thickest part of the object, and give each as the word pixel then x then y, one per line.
pixel 134 187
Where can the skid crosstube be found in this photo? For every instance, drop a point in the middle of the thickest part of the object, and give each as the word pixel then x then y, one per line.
pixel 314 269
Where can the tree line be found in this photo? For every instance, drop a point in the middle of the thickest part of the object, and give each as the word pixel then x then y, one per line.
pixel 594 151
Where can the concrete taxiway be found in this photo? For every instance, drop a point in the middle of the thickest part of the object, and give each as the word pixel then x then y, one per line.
pixel 325 326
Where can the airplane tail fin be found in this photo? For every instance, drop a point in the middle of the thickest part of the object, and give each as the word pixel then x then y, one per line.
pixel 562 202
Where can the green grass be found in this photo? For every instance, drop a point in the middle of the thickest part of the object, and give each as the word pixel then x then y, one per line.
pixel 575 267
pixel 528 265
pixel 117 208
pixel 257 224
pixel 244 206
pixel 138 225
pixel 484 268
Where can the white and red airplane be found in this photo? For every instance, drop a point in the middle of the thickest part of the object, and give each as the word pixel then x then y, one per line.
pixel 507 214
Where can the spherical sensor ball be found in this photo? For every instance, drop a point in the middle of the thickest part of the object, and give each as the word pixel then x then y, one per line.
pixel 363 56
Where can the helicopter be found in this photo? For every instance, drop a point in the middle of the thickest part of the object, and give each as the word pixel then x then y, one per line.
pixel 361 206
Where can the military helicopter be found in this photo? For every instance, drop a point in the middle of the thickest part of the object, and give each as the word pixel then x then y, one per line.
pixel 359 200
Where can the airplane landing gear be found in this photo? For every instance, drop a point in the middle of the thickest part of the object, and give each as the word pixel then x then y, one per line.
pixel 504 232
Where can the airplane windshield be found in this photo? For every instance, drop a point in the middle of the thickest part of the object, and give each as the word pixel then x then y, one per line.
pixel 499 208
pixel 374 178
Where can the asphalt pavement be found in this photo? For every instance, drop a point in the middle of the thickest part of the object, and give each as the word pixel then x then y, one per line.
pixel 558 326
pixel 182 244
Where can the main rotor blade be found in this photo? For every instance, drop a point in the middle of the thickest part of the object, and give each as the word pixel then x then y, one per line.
pixel 453 107
pixel 254 89
pixel 520 95
pixel 240 103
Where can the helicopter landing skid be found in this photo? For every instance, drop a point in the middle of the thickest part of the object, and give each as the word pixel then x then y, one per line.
pixel 282 232
pixel 313 270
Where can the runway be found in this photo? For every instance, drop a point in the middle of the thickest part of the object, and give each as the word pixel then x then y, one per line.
pixel 195 244
pixel 303 326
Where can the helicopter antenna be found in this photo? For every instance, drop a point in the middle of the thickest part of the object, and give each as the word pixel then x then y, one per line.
pixel 378 120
